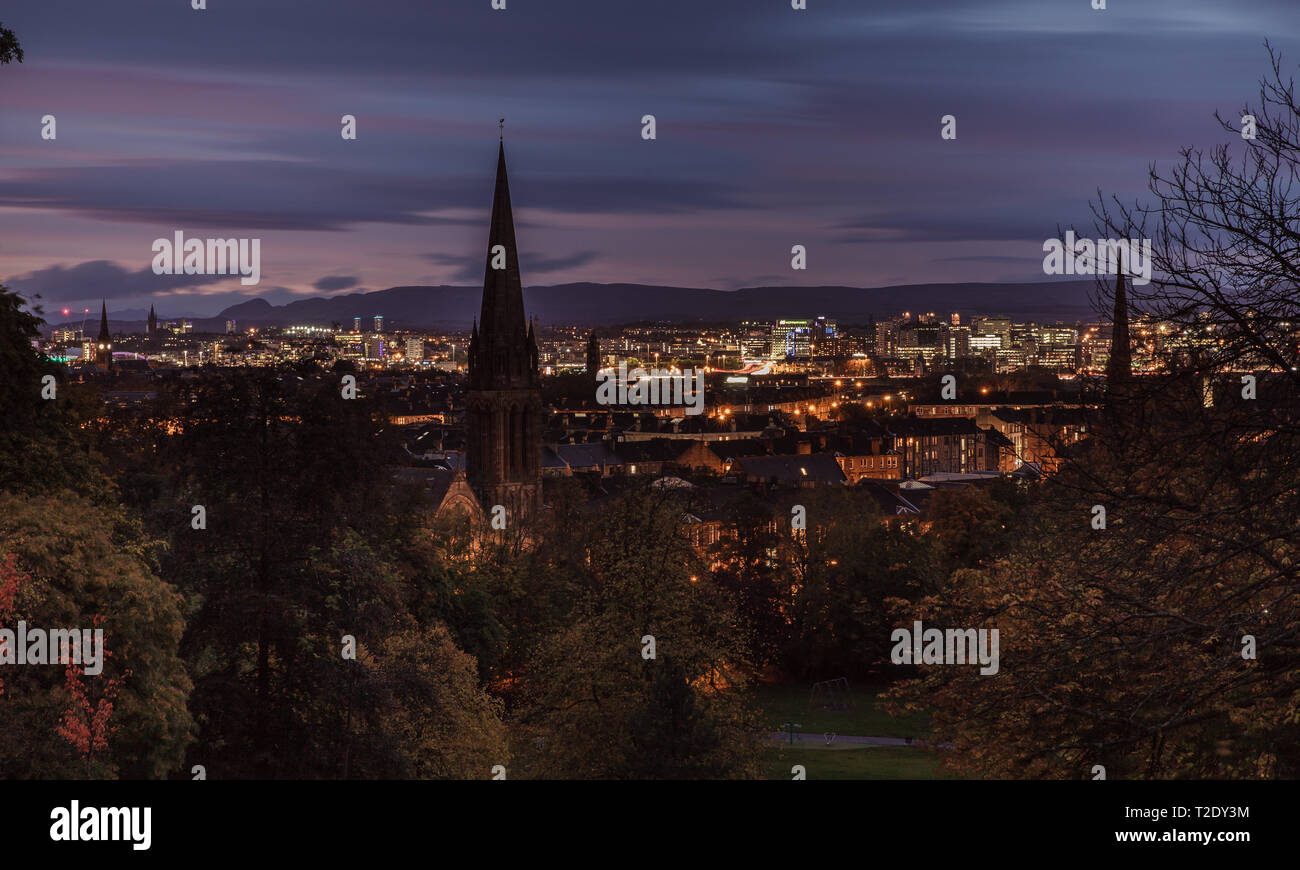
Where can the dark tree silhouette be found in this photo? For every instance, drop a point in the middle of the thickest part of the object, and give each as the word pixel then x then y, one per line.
pixel 10 50
pixel 1166 642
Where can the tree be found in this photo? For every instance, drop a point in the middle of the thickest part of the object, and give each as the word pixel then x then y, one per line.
pixel 1148 619
pixel 669 735
pixel 288 476
pixel 849 571
pixel 750 562
pixel 88 724
pixel 1224 225
pixel 589 680
pixel 81 564
pixel 42 445
pixel 431 707
pixel 970 526
pixel 10 50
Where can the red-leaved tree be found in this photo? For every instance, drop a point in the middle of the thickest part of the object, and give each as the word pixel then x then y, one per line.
pixel 86 722
pixel 10 581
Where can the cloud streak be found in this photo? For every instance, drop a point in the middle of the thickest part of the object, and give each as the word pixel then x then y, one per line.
pixel 469 268
pixel 102 278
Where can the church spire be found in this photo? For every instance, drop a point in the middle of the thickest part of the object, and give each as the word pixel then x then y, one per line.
pixel 503 293
pixel 503 410
pixel 1120 365
pixel 502 355
pixel 104 344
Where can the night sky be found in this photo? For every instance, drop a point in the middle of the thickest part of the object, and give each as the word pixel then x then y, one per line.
pixel 775 127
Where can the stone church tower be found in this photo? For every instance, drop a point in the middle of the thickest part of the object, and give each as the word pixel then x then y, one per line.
pixel 504 404
pixel 104 344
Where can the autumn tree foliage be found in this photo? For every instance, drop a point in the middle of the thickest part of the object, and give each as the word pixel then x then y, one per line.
pixel 78 561
pixel 441 722
pixel 11 579
pixel 87 722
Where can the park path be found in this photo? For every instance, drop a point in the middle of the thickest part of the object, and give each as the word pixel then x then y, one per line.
pixel 829 738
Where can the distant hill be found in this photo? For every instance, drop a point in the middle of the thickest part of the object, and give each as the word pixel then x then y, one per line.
pixel 607 304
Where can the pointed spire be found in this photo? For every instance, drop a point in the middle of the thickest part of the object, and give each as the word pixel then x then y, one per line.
pixel 505 354
pixel 502 314
pixel 1120 365
pixel 104 334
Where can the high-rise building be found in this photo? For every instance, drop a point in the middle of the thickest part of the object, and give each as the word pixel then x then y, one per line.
pixel 504 402
pixel 755 340
pixel 379 323
pixel 921 339
pixel 230 327
pixel 415 348
pixel 791 339
pixel 825 336
pixel 356 323
pixel 957 340
pixel 886 338
pixel 999 326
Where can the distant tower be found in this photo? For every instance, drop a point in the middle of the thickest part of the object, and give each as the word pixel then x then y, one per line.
pixel 504 401
pixel 1119 368
pixel 152 328
pixel 379 323
pixel 104 344
pixel 356 323
pixel 593 356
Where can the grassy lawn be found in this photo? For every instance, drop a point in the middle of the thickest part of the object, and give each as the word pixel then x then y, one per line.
pixel 789 703
pixel 844 762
